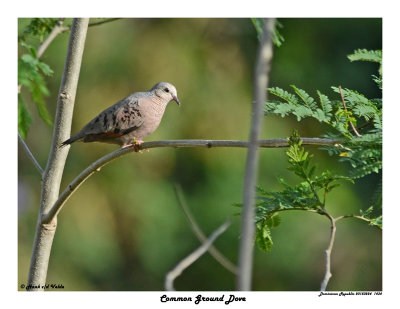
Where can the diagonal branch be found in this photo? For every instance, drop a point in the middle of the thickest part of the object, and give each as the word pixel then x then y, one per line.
pixel 30 155
pixel 199 233
pixel 97 165
pixel 58 29
pixel 193 257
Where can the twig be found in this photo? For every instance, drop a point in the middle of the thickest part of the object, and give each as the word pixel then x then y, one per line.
pixel 358 217
pixel 193 257
pixel 97 165
pixel 107 20
pixel 362 126
pixel 58 29
pixel 30 155
pixel 199 233
pixel 247 226
pixel 345 108
pixel 328 252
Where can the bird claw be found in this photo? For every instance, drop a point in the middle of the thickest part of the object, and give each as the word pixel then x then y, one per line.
pixel 135 144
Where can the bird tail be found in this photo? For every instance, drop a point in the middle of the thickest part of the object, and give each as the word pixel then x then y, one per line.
pixel 70 140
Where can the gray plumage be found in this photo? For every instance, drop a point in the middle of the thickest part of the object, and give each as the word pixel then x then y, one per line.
pixel 134 117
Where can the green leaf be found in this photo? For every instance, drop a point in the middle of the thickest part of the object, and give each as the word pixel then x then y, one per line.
pixel 284 95
pixel 326 105
pixel 263 237
pixel 366 169
pixel 258 25
pixel 38 93
pixel 31 49
pixel 39 28
pixel 279 108
pixel 277 38
pixel 45 68
pixel 377 222
pixel 366 55
pixel 305 97
pixel 29 75
pixel 28 58
pixel 378 81
pixel 273 221
pixel 24 118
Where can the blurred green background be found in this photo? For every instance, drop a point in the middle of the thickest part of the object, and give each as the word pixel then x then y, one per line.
pixel 124 229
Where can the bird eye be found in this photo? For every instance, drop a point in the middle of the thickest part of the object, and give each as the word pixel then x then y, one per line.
pixel 166 89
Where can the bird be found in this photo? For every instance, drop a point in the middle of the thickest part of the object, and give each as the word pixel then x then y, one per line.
pixel 130 120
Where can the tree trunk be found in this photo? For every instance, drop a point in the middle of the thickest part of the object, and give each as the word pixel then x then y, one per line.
pixel 55 166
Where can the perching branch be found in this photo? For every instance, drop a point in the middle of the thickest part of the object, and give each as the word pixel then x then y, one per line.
pixel 55 165
pixel 260 88
pixel 193 257
pixel 199 233
pixel 96 166
pixel 30 155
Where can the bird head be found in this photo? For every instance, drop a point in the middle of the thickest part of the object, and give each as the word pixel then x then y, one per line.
pixel 166 91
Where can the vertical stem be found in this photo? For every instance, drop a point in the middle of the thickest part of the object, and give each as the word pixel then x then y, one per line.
pixel 248 226
pixel 328 252
pixel 55 164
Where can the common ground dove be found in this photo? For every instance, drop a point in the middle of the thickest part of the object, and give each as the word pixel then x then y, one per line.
pixel 130 120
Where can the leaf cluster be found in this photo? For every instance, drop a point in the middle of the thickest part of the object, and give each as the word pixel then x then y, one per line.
pixel 38 28
pixel 367 215
pixel 371 56
pixel 31 74
pixel 347 117
pixel 309 195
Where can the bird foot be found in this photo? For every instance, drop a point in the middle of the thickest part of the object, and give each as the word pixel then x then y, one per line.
pixel 135 144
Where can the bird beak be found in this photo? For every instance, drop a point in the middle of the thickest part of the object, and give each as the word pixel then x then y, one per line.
pixel 176 100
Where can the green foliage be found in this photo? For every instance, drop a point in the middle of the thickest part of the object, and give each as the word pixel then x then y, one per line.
pixel 305 107
pixel 309 195
pixel 263 232
pixel 24 118
pixel 277 37
pixel 366 215
pixel 31 74
pixel 362 151
pixel 366 55
pixel 371 56
pixel 38 28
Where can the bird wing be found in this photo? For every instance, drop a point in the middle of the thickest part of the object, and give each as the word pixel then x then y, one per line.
pixel 118 120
